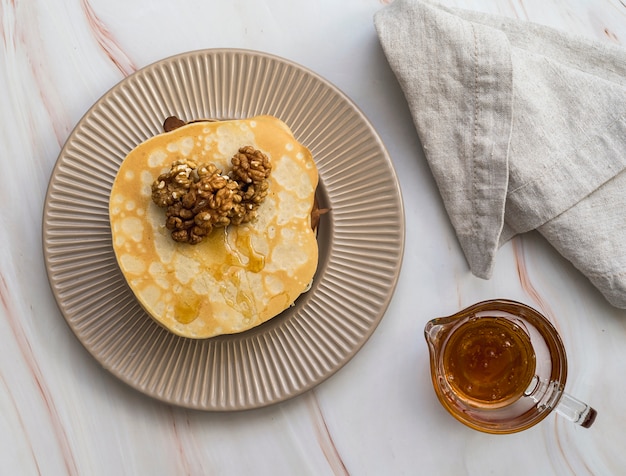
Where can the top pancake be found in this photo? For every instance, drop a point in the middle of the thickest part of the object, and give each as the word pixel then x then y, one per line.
pixel 239 276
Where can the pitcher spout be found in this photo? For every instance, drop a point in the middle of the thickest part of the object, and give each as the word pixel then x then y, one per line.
pixel 437 329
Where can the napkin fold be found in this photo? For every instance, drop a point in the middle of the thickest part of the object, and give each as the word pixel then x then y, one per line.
pixel 524 128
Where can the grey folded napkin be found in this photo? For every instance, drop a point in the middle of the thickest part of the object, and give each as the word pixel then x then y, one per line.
pixel 524 128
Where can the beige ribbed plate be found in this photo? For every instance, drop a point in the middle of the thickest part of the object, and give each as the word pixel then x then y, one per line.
pixel 361 239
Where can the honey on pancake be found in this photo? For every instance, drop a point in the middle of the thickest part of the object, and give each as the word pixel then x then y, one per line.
pixel 186 307
pixel 256 261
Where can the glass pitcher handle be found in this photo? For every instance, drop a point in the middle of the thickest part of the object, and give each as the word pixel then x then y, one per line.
pixel 576 411
pixel 569 407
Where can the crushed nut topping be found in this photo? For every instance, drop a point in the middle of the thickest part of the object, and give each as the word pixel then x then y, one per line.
pixel 199 197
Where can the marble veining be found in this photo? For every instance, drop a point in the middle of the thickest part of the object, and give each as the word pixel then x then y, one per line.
pixel 106 41
pixel 61 413
pixel 324 437
pixel 42 392
pixel 527 283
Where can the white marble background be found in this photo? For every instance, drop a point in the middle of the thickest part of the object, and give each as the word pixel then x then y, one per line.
pixel 61 413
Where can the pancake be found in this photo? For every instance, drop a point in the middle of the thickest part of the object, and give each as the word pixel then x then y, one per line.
pixel 238 276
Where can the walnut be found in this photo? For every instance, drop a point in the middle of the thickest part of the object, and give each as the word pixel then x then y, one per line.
pixel 251 169
pixel 199 198
pixel 250 165
pixel 171 186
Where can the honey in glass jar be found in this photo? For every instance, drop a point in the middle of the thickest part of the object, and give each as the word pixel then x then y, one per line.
pixel 499 366
pixel 489 362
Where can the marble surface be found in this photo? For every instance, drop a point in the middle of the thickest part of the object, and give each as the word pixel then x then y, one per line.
pixel 61 413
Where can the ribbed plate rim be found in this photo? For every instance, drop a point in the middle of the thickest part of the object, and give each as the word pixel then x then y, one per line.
pixel 389 260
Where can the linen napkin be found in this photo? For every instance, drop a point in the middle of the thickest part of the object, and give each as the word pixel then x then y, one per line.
pixel 524 128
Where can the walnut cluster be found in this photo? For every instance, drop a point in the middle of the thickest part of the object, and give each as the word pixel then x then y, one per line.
pixel 199 197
